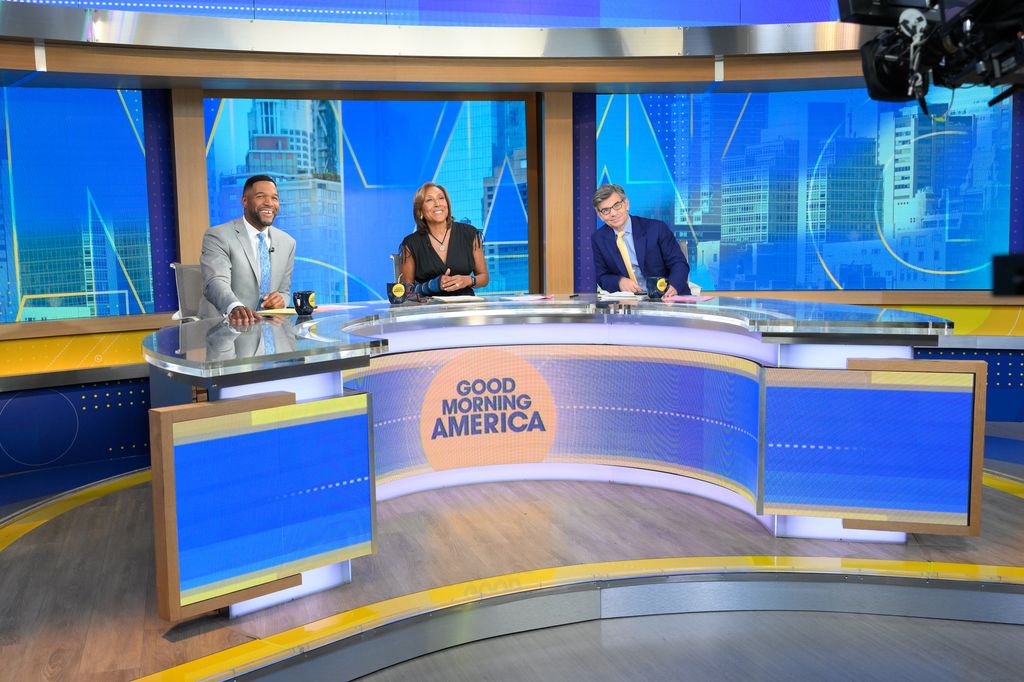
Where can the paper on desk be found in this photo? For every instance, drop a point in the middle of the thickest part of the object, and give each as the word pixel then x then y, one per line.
pixel 458 299
pixel 686 299
pixel 618 295
pixel 276 311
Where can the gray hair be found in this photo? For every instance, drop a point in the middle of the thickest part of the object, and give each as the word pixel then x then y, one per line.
pixel 605 191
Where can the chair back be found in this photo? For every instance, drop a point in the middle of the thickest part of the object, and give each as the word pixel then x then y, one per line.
pixel 396 264
pixel 188 280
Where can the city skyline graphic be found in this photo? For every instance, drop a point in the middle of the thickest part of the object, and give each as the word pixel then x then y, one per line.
pixel 820 189
pixel 347 171
pixel 75 240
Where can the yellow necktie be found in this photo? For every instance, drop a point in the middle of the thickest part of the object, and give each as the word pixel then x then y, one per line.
pixel 621 243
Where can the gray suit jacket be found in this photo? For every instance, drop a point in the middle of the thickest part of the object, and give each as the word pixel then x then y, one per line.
pixel 230 268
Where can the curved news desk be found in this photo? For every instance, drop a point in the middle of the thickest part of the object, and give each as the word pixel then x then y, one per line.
pixel 812 417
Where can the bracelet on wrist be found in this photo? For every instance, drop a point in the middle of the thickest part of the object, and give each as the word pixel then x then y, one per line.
pixel 473 285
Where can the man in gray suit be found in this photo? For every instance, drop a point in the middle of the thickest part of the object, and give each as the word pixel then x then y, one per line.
pixel 247 263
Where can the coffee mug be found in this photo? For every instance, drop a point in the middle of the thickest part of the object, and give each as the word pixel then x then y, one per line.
pixel 398 291
pixel 304 302
pixel 656 287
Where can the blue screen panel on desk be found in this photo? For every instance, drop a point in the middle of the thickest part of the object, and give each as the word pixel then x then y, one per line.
pixel 913 461
pixel 252 502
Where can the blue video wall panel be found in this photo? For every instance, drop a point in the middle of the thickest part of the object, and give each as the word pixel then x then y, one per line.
pixel 347 172
pixel 74 216
pixel 539 13
pixel 818 190
pixel 270 493
pixel 664 410
pixel 900 451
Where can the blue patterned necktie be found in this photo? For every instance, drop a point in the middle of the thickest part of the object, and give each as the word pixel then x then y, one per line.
pixel 269 347
pixel 264 267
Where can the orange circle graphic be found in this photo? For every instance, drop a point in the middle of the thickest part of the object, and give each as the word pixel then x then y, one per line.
pixel 487 406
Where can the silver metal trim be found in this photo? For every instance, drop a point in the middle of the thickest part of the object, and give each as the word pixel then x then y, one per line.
pixel 110 27
pixel 92 375
pixel 426 633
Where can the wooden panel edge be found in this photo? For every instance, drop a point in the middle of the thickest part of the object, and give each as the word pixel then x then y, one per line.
pixel 922 528
pixel 207 605
pixel 165 514
pixel 220 408
pixel 558 193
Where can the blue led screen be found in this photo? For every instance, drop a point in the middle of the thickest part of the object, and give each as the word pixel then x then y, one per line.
pixel 507 13
pixel 347 172
pixel 251 503
pixel 914 458
pixel 664 410
pixel 74 216
pixel 817 190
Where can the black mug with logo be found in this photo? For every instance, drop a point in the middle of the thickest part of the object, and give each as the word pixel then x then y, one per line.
pixel 304 302
pixel 656 288
pixel 398 292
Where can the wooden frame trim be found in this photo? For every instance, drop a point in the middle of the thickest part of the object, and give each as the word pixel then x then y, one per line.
pixel 980 371
pixel 14 331
pixel 192 197
pixel 534 194
pixel 165 516
pixel 558 193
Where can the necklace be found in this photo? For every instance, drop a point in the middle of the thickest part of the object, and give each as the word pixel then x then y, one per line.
pixel 440 242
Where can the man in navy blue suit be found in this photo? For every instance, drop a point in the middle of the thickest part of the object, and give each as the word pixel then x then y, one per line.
pixel 628 249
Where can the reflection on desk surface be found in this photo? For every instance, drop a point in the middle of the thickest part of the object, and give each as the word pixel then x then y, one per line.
pixel 357 330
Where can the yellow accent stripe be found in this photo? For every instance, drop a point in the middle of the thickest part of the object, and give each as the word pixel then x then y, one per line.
pixel 318 408
pixel 736 125
pixel 213 128
pixel 252 655
pixel 604 115
pixel 1004 482
pixel 10 189
pixel 827 271
pixel 25 522
pixel 225 426
pixel 943 379
pixel 131 122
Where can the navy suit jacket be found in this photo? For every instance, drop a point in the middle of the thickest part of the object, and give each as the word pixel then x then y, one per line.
pixel 657 253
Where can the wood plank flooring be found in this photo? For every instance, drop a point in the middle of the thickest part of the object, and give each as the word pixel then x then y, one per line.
pixel 77 595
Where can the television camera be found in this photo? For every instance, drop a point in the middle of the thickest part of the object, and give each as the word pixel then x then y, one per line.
pixel 946 42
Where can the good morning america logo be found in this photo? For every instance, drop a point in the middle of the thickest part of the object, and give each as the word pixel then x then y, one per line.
pixel 487 406
pixel 484 406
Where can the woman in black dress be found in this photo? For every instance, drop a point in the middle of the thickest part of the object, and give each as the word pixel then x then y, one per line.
pixel 442 257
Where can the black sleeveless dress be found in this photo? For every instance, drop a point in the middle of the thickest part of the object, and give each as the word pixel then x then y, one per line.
pixel 429 265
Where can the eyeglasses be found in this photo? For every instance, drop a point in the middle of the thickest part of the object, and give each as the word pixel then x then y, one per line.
pixel 614 207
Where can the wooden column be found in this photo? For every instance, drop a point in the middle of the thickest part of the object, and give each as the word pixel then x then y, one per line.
pixel 558 196
pixel 190 171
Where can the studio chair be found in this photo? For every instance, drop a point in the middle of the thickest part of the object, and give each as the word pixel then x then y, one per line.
pixel 188 280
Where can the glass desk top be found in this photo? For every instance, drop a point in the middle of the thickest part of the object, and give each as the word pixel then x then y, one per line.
pixel 350 334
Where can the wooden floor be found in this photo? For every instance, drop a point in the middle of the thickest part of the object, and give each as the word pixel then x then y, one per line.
pixel 77 596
